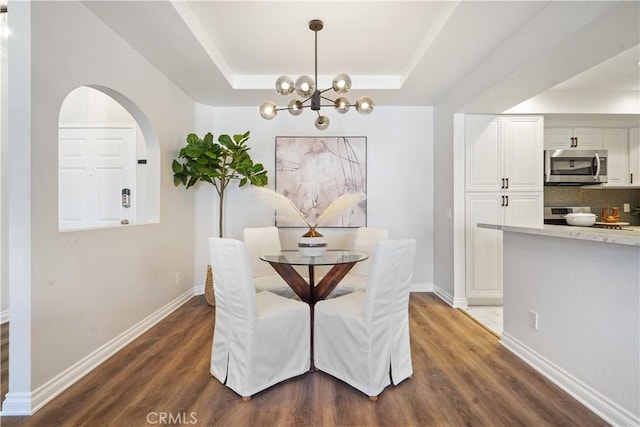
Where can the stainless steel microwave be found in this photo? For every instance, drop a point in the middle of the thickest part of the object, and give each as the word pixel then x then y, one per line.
pixel 575 167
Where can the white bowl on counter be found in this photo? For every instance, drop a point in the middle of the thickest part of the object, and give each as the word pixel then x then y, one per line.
pixel 581 219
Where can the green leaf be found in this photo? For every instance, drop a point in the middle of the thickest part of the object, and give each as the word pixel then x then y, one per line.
pixel 208 139
pixel 192 138
pixel 225 140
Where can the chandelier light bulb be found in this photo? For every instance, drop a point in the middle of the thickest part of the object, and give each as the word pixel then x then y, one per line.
pixel 364 105
pixel 322 122
pixel 284 85
pixel 341 83
pixel 342 105
pixel 295 107
pixel 305 86
pixel 268 110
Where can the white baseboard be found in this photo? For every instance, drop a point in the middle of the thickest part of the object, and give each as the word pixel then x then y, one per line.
pixel 443 295
pixel 17 404
pixel 198 290
pixel 4 316
pixel 592 399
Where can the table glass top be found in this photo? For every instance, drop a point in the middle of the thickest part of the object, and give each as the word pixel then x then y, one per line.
pixel 331 257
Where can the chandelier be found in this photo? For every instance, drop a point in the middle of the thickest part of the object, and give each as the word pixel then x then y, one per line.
pixel 306 88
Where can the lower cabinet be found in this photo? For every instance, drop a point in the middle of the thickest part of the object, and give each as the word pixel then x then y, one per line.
pixel 483 249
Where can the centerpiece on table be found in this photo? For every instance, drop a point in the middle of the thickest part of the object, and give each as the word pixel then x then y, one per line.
pixel 311 243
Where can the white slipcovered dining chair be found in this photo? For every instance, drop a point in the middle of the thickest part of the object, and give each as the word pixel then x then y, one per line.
pixel 366 240
pixel 259 241
pixel 259 339
pixel 362 338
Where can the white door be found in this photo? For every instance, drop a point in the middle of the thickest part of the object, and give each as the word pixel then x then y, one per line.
pixel 523 153
pixel 95 164
pixel 483 153
pixel 616 142
pixel 484 248
pixel 524 209
pixel 588 138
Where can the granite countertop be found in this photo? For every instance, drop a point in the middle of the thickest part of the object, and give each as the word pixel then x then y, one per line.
pixel 629 236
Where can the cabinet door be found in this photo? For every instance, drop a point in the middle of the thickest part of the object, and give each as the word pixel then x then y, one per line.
pixel 483 153
pixel 524 209
pixel 523 153
pixel 634 155
pixel 557 138
pixel 483 248
pixel 584 139
pixel 617 145
pixel 588 138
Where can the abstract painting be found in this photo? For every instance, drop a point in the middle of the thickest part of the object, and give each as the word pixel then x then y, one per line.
pixel 312 172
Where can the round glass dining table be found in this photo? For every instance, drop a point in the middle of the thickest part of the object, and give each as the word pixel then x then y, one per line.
pixel 284 262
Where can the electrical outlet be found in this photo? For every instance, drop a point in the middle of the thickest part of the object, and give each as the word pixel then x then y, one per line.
pixel 178 274
pixel 533 319
pixel 626 207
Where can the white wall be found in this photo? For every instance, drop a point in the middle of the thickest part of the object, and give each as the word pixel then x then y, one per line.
pixel 73 292
pixel 4 280
pixel 399 176
pixel 587 297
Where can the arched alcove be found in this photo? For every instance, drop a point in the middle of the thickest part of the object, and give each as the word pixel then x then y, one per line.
pixel 108 161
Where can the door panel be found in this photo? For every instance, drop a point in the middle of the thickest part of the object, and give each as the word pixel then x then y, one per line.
pixel 95 164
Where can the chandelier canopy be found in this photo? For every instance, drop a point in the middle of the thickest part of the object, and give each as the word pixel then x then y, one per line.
pixel 306 88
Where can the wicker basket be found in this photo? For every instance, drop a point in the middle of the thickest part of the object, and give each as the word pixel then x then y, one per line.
pixel 209 294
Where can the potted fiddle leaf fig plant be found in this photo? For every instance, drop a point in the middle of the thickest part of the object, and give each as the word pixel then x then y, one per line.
pixel 217 163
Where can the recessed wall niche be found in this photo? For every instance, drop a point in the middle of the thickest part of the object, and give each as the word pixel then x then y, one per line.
pixel 108 162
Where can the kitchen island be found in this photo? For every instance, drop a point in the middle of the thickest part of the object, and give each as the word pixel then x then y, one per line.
pixel 572 311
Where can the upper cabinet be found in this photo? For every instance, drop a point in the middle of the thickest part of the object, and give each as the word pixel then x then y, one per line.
pixel 573 138
pixel 616 142
pixel 504 153
pixel 634 156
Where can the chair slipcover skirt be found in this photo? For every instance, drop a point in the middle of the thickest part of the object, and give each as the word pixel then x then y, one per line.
pixel 259 339
pixel 362 338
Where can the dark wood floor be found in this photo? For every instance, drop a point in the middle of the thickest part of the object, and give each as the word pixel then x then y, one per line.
pixel 462 376
pixel 4 357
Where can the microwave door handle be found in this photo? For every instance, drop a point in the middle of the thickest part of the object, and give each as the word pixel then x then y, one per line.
pixel 548 166
pixel 596 158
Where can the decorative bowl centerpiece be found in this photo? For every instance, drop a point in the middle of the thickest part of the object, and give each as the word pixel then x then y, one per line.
pixel 581 219
pixel 312 243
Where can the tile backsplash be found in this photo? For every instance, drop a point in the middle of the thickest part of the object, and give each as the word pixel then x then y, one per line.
pixel 596 198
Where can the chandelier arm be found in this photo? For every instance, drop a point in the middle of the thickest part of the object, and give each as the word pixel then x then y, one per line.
pixel 327 99
pixel 304 106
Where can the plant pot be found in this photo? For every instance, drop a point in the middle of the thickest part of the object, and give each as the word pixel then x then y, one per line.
pixel 312 243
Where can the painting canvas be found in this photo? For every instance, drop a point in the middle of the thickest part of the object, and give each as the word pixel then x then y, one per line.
pixel 312 172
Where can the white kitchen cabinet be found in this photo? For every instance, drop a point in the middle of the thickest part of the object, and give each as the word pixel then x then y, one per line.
pixel 634 156
pixel 484 246
pixel 616 142
pixel 504 183
pixel 504 153
pixel 573 138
